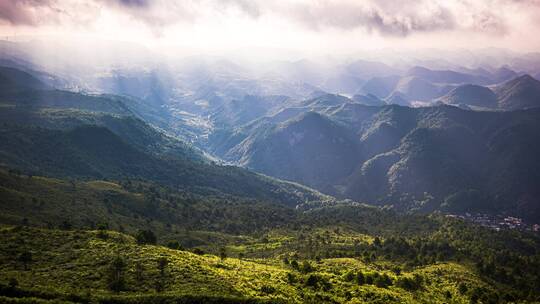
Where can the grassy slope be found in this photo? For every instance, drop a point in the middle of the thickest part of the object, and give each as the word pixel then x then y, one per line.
pixel 68 262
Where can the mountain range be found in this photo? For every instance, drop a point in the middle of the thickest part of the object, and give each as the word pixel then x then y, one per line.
pixel 422 158
pixel 373 147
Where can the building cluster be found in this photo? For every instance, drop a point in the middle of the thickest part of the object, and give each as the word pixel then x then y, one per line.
pixel 497 222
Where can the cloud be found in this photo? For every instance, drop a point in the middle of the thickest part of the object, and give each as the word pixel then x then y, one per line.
pixel 384 17
pixel 22 12
pixel 132 3
pixel 372 16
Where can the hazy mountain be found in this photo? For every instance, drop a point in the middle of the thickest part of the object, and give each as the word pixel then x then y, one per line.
pixel 397 98
pixel 519 93
pixel 326 100
pixel 369 100
pixel 13 80
pixel 416 88
pixel 240 111
pixel 446 76
pixel 503 74
pixel 380 86
pixel 471 95
pixel 368 69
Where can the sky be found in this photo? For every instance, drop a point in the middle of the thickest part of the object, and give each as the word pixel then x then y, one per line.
pixel 305 26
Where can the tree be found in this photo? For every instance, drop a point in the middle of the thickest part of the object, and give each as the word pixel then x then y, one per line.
pixel 65 225
pixel 312 281
pixel 174 245
pixel 360 279
pixel 146 237
pixel 25 258
pixel 291 278
pixel 382 281
pixel 222 253
pixel 462 288
pixel 116 281
pixel 306 267
pixel 139 270
pixel 162 263
pixel 13 283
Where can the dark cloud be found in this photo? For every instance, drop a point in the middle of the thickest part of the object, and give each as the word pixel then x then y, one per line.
pixel 371 17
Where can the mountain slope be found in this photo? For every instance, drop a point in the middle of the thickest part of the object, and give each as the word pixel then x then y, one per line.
pixel 416 88
pixel 13 80
pixel 446 76
pixel 519 93
pixel 471 95
pixel 411 158
pixel 380 86
pixel 95 152
pixel 310 149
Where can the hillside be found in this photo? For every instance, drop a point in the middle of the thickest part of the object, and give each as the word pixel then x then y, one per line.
pixel 59 271
pixel 95 152
pixel 333 264
pixel 471 95
pixel 446 76
pixel 298 144
pixel 418 157
pixel 519 93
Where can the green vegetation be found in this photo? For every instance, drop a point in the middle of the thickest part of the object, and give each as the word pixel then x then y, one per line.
pixel 183 248
pixel 78 266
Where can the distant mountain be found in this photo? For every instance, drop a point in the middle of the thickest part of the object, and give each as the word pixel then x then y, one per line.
pixel 240 111
pixel 416 88
pixel 397 98
pixel 446 76
pixel 471 95
pixel 380 86
pixel 410 158
pixel 368 100
pixel 519 93
pixel 326 100
pixel 367 69
pixel 503 74
pixel 289 150
pixel 13 80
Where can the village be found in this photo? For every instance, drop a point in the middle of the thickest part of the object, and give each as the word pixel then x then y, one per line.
pixel 498 222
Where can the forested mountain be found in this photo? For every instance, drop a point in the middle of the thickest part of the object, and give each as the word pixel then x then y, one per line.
pixel 73 135
pixel 421 158
pixel 471 95
pixel 519 93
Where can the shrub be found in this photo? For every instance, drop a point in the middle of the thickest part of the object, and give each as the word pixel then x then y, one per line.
pixel 146 237
pixel 115 280
pixel 267 289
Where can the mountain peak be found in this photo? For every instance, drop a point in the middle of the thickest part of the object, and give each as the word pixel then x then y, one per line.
pixel 519 93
